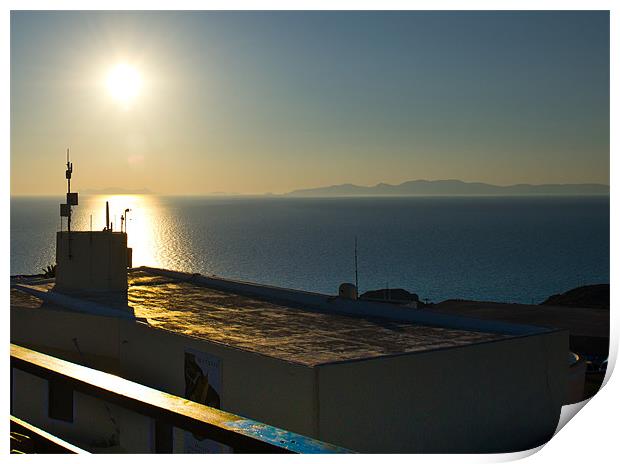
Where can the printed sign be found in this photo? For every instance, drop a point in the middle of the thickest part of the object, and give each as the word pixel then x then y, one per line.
pixel 203 384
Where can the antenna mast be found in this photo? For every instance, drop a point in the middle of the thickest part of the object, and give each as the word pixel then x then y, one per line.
pixel 68 176
pixel 107 216
pixel 72 200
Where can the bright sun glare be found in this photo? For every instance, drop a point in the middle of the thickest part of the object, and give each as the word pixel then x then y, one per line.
pixel 124 83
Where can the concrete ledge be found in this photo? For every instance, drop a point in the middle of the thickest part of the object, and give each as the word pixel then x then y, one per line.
pixel 360 308
pixel 75 304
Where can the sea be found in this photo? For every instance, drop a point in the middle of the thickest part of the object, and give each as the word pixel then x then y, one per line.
pixel 508 249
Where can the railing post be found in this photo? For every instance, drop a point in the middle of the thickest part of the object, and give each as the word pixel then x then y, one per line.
pixel 163 437
pixel 60 400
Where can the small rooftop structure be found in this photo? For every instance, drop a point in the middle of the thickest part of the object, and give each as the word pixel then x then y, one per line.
pixel 91 262
pixel 88 261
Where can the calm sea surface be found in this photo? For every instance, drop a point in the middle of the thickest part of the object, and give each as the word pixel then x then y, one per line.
pixel 513 249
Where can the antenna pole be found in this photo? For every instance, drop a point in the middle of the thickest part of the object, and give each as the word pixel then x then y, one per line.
pixel 67 208
pixel 356 282
pixel 68 176
pixel 126 218
pixel 107 216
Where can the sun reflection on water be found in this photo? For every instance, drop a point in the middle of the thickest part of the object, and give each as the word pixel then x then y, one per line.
pixel 145 218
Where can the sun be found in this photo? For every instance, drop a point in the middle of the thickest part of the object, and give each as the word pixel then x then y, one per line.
pixel 124 83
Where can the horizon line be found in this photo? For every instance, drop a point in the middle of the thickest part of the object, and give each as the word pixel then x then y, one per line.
pixel 146 191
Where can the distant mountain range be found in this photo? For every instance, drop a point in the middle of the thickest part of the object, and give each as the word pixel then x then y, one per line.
pixel 117 191
pixel 451 187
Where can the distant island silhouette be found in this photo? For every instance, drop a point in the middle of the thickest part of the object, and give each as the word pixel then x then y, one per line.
pixel 451 187
pixel 117 191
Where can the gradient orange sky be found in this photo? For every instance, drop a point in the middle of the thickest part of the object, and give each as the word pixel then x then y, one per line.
pixel 250 103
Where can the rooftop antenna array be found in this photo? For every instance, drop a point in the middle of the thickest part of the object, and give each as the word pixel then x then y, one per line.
pixel 72 200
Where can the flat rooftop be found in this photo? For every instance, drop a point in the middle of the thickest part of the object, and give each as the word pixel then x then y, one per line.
pixel 588 322
pixel 274 329
pixel 278 330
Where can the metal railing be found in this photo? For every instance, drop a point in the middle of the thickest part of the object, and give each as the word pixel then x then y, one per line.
pixel 241 434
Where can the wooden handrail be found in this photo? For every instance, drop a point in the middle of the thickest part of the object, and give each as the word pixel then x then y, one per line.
pixel 42 441
pixel 243 435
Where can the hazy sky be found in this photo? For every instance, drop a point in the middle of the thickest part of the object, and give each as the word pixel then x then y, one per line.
pixel 274 101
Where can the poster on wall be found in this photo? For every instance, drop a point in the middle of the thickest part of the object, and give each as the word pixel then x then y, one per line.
pixel 203 384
